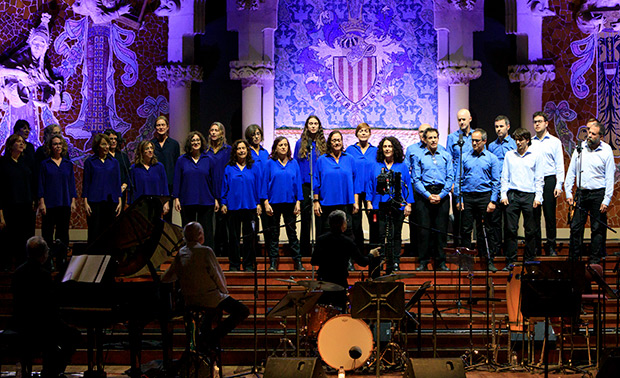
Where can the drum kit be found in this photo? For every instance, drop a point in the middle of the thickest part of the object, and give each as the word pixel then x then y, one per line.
pixel 344 340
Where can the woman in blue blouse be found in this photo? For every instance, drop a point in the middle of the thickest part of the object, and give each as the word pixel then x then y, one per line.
pixel 219 151
pixel 336 186
pixel 254 135
pixel 56 191
pixel 101 187
pixel 283 195
pixel 116 151
pixel 194 188
pixel 308 148
pixel 390 157
pixel 240 200
pixel 147 175
pixel 364 154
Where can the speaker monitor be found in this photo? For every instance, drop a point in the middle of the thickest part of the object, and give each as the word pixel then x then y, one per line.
pixel 293 367
pixel 435 368
pixel 610 364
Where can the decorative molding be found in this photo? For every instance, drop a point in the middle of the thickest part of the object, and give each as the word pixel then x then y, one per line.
pixel 249 4
pixel 252 72
pixel 594 16
pixel 168 8
pixel 531 75
pixel 179 75
pixel 540 8
pixel 464 5
pixel 458 72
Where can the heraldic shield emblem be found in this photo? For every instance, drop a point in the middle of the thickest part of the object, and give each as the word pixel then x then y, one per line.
pixel 355 79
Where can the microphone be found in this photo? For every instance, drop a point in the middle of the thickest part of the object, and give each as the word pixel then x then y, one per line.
pixel 355 352
pixel 460 137
pixel 579 146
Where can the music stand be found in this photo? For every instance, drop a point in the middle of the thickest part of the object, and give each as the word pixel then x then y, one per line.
pixel 295 303
pixel 462 258
pixel 378 300
pixel 416 299
pixel 551 289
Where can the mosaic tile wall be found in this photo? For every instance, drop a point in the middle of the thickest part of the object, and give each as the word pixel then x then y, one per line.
pixel 566 98
pixel 136 105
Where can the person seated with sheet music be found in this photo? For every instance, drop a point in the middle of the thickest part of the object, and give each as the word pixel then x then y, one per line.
pixel 332 253
pixel 203 286
pixel 36 315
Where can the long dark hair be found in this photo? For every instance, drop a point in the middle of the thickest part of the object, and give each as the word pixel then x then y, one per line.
pixel 319 138
pixel 329 141
pixel 274 148
pixel 399 155
pixel 233 153
pixel 139 155
pixel 188 142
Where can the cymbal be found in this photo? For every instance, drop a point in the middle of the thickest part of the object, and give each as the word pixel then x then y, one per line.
pixel 287 280
pixel 394 277
pixel 320 285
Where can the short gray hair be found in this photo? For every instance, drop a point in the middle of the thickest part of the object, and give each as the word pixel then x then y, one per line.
pixel 336 219
pixel 192 232
pixel 36 247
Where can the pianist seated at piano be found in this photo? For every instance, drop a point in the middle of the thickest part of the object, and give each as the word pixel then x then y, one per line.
pixel 36 316
pixel 203 286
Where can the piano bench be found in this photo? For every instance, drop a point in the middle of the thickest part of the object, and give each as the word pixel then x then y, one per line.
pixel 11 349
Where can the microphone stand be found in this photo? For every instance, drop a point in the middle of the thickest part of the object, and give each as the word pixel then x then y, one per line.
pixel 312 216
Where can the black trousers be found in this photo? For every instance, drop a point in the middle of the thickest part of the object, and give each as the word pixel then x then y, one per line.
pixel 268 231
pixel 590 201
pixel 520 203
pixel 397 217
pixel 58 343
pixel 242 224
pixel 56 217
pixel 498 227
pixel 203 215
pixel 358 231
pixel 414 220
pixel 433 216
pixel 103 215
pixel 237 312
pixel 20 223
pixel 286 211
pixel 221 234
pixel 475 210
pixel 548 209
pixel 306 219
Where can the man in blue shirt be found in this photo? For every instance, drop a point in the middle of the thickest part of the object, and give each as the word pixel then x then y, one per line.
pixel 434 176
pixel 521 192
pixel 480 192
pixel 458 141
pixel 592 165
pixel 552 158
pixel 499 147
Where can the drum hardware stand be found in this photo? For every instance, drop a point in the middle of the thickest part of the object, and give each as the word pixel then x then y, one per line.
pixel 382 295
pixel 285 342
pixel 465 261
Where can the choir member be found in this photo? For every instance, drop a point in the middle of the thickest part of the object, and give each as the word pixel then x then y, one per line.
pixel 364 154
pixel 254 136
pixel 101 187
pixel 194 186
pixel 22 127
pixel 57 194
pixel 240 200
pixel 17 217
pixel 433 178
pixel 592 171
pixel 389 159
pixel 41 152
pixel 117 153
pixel 283 194
pixel 552 160
pixel 336 184
pixel 167 151
pixel 147 175
pixel 219 152
pixel 308 148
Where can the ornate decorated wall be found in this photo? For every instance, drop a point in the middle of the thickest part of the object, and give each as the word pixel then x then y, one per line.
pixel 585 51
pixel 356 61
pixel 99 71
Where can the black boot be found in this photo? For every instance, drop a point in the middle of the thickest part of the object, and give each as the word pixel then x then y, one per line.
pixel 274 265
pixel 299 266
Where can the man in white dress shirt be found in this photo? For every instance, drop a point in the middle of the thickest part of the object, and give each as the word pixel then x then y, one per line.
pixel 521 193
pixel 592 166
pixel 552 159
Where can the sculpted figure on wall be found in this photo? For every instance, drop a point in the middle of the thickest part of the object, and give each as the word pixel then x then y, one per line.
pixel 101 11
pixel 26 78
pixel 592 16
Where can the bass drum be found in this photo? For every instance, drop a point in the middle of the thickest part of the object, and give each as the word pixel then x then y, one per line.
pixel 342 337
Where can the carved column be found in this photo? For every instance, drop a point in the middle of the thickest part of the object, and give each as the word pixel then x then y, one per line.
pixel 255 21
pixel 455 22
pixel 179 78
pixel 525 20
pixel 531 77
pixel 256 77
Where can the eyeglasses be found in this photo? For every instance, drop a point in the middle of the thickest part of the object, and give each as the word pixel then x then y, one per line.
pixel 537 121
pixel 476 140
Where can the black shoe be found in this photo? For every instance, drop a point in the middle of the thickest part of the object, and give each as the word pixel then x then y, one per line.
pixel 299 266
pixel 233 268
pixel 249 268
pixel 351 267
pixel 396 267
pixel 273 267
pixel 552 252
pixel 492 267
pixel 422 267
pixel 443 268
